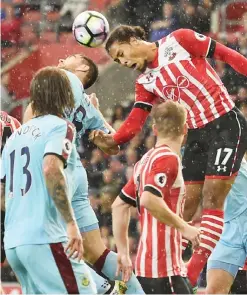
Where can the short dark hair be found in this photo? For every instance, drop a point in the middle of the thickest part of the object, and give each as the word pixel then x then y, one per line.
pixel 122 34
pixel 93 72
pixel 51 93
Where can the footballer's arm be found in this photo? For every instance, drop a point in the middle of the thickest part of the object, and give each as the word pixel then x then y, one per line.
pixel 120 225
pixel 56 184
pixel 201 46
pixel 159 209
pixel 53 170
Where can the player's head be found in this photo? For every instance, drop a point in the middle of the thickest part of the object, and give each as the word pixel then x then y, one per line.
pixel 169 120
pixel 51 93
pixel 83 67
pixel 126 45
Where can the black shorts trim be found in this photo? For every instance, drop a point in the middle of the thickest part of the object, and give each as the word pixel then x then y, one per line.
pixel 153 191
pixel 126 199
pixel 144 106
pixel 58 156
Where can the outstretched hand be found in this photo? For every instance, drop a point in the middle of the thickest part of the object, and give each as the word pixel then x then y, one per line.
pixel 104 141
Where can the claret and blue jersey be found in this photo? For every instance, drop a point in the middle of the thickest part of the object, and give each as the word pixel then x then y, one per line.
pixel 29 207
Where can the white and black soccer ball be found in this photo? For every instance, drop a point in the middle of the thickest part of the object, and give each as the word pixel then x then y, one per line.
pixel 90 28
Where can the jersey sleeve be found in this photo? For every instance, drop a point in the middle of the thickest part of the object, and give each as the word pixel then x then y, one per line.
pixel 128 193
pixel 196 44
pixel 143 98
pixel 60 141
pixel 135 121
pixel 162 175
pixel 94 118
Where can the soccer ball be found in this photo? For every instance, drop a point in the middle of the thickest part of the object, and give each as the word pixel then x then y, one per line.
pixel 90 28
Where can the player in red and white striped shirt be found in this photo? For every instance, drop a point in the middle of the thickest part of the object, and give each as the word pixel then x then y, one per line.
pixel 157 190
pixel 175 68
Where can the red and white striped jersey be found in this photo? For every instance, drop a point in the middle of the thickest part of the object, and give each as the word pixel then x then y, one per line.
pixel 8 125
pixel 181 72
pixel 160 246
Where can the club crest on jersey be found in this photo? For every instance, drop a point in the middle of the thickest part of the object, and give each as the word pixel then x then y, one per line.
pixel 173 91
pixel 169 53
pixel 85 281
pixel 160 179
pixel 67 146
pixel 200 37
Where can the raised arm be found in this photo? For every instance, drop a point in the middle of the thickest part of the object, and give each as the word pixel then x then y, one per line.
pixel 134 122
pixel 120 225
pixel 199 45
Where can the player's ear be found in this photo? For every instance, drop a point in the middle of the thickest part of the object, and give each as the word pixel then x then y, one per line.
pixel 134 41
pixel 155 129
pixel 83 68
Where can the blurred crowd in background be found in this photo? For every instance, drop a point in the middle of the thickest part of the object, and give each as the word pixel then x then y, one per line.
pixel 26 23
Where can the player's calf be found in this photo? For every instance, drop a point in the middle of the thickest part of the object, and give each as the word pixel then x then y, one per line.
pixel 105 261
pixel 214 195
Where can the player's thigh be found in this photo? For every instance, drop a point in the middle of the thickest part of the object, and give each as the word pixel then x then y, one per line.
pixel 219 281
pixel 192 200
pixel 26 282
pixel 195 156
pixel 214 192
pixel 93 245
pixel 228 145
pixel 49 268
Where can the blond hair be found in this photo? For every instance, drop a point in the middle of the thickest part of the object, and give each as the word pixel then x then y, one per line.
pixel 169 118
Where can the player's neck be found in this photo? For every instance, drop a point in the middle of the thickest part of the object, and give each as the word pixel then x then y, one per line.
pixel 173 144
pixel 151 51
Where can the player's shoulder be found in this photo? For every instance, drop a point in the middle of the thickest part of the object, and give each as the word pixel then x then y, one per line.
pixel 50 123
pixel 163 155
